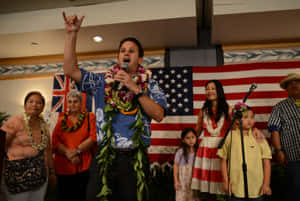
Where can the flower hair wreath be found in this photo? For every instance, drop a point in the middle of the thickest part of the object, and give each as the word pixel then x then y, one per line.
pixel 240 109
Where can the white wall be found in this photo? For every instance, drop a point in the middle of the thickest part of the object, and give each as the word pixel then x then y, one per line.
pixel 13 93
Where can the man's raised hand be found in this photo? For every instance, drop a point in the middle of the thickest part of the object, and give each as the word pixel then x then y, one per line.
pixel 72 23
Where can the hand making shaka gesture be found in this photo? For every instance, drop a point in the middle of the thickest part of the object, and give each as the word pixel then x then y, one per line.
pixel 72 23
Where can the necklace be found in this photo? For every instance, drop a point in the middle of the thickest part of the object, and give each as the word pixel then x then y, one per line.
pixel 122 98
pixel 123 101
pixel 214 132
pixel 44 129
pixel 76 126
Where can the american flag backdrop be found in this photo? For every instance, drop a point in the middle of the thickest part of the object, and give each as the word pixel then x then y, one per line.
pixel 184 87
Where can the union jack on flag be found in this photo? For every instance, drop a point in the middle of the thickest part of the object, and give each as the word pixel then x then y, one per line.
pixel 62 85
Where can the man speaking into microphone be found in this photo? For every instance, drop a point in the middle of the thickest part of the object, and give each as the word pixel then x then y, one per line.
pixel 124 66
pixel 123 115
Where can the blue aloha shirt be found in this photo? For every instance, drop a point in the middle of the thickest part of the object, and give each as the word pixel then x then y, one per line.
pixel 93 83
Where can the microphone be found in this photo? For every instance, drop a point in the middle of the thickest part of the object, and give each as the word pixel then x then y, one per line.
pixel 238 115
pixel 252 87
pixel 123 66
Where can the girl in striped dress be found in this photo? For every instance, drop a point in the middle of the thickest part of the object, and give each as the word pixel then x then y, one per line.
pixel 213 120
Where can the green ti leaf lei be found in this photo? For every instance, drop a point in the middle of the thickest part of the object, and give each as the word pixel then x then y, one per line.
pixel 123 101
pixel 140 155
pixel 106 153
pixel 76 126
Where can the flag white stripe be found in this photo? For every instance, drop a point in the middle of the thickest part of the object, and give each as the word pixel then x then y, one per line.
pixel 243 74
pixel 162 149
pixel 177 119
pixel 163 134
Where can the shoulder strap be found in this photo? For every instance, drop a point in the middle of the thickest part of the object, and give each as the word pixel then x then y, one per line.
pixel 88 121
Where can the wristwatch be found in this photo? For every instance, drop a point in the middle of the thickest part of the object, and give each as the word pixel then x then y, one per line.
pixel 141 93
pixel 277 151
pixel 78 152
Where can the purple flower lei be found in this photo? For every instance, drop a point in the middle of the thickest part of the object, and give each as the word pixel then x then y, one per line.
pixel 122 98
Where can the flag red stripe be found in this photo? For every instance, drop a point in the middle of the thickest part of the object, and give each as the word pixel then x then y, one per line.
pixel 171 126
pixel 181 126
pixel 83 101
pixel 261 125
pixel 57 92
pixel 256 95
pixel 165 142
pixel 249 66
pixel 67 83
pixel 239 81
pixel 161 157
pixel 256 109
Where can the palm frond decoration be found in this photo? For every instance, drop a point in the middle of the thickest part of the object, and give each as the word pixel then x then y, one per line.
pixel 3 117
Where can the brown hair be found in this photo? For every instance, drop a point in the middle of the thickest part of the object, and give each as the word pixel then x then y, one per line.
pixel 135 41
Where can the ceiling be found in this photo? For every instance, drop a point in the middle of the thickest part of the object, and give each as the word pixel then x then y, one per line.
pixel 153 33
pixel 11 6
pixel 261 27
pixel 169 32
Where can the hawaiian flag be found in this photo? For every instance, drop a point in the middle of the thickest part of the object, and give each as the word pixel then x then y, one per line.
pixel 184 88
pixel 62 85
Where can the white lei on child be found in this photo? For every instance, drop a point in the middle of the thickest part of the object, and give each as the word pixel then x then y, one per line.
pixel 207 120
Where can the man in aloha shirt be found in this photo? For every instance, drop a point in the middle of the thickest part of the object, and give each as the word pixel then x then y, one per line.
pixel 125 185
pixel 94 83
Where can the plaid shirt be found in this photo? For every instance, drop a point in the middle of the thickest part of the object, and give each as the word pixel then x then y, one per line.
pixel 285 118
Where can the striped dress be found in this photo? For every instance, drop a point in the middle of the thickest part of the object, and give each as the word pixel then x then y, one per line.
pixel 207 175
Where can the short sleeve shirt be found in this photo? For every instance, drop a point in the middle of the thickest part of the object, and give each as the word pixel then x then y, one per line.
pixel 254 154
pixel 94 84
pixel 179 158
pixel 285 118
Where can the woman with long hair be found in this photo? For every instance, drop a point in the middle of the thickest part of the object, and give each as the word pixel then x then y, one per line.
pixel 213 120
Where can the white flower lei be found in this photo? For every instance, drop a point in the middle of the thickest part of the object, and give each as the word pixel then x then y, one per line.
pixel 44 130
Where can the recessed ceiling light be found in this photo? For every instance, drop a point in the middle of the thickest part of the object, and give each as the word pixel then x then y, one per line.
pixel 34 44
pixel 97 39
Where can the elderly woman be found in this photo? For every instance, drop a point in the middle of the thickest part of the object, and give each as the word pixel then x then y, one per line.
pixel 73 139
pixel 28 160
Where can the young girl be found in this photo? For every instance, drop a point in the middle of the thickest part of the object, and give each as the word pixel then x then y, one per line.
pixel 257 156
pixel 213 120
pixel 183 165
